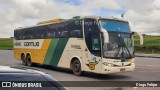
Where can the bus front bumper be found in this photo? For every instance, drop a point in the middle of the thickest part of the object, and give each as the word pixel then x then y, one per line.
pixel 109 69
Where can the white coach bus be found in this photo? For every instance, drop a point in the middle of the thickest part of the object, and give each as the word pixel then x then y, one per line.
pixel 91 43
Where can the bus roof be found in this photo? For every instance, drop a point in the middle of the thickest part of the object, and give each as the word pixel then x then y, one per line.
pixel 50 21
pixel 59 20
pixel 105 17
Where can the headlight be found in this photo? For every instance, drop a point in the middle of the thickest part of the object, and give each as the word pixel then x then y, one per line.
pixel 105 63
pixel 108 64
pixel 132 64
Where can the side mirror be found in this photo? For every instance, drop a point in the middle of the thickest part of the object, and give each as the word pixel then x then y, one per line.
pixel 105 35
pixel 140 36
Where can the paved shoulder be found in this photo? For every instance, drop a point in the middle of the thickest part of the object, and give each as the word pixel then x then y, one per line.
pixel 148 55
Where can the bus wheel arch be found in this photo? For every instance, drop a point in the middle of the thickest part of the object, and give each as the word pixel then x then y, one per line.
pixel 76 66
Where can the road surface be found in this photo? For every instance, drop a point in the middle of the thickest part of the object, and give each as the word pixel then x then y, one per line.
pixel 147 69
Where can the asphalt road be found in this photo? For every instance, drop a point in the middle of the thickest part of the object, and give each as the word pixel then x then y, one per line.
pixel 147 69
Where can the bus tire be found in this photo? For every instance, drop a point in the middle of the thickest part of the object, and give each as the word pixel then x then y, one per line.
pixel 23 59
pixel 76 67
pixel 29 61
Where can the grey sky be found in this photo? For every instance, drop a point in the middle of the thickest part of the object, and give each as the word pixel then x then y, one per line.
pixel 143 15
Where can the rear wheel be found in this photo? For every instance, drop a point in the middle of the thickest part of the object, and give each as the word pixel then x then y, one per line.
pixel 23 59
pixel 29 61
pixel 76 67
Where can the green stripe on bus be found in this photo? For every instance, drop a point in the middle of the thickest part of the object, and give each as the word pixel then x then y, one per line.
pixel 58 51
pixel 50 51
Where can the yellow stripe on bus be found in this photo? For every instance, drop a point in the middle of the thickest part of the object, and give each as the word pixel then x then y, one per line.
pixel 37 55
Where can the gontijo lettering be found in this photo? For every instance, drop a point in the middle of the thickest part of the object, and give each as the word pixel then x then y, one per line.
pixel 31 44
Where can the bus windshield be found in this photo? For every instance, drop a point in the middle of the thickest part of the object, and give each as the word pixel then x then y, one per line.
pixel 120 43
pixel 120 46
pixel 113 25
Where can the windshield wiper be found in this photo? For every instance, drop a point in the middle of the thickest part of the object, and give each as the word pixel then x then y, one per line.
pixel 124 46
pixel 127 49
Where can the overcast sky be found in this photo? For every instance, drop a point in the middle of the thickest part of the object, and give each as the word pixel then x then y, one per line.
pixel 143 15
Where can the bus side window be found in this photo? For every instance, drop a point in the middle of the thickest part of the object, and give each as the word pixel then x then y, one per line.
pixel 49 34
pixel 53 34
pixel 75 30
pixel 61 30
pixel 42 32
pixel 95 43
pixel 17 34
pixel 52 29
pixel 58 33
pixel 75 33
pixel 64 34
pixel 58 30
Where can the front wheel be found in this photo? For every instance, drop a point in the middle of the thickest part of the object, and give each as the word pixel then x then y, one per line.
pixel 76 67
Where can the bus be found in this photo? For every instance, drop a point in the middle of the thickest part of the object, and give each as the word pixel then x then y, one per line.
pixel 94 44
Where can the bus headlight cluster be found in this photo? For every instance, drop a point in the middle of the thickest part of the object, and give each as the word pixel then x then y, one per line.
pixel 107 64
pixel 110 64
pixel 132 64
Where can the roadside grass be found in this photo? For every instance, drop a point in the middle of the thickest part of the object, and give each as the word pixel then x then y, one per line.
pixel 148 41
pixel 151 45
pixel 6 43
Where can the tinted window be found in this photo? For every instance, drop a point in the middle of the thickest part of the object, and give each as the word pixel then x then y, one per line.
pixel 95 42
pixel 60 30
pixel 52 31
pixel 92 36
pixel 40 32
pixel 75 29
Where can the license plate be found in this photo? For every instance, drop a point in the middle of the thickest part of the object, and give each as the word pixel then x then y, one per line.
pixel 122 69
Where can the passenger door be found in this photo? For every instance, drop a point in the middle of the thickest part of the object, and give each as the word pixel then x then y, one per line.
pixel 92 53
